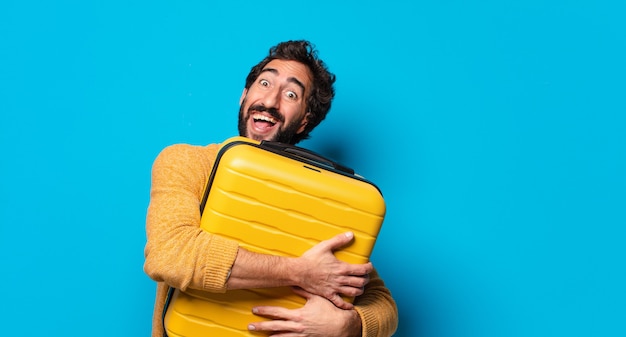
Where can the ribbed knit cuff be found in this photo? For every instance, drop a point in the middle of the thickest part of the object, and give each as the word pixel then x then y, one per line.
pixel 218 261
pixel 369 327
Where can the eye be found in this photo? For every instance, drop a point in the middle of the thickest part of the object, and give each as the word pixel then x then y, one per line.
pixel 264 83
pixel 291 95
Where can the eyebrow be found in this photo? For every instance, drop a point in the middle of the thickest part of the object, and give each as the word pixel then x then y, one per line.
pixel 290 79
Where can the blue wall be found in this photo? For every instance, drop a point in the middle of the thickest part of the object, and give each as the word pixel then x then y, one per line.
pixel 495 130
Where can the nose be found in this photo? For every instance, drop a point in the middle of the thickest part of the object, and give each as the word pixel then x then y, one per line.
pixel 272 98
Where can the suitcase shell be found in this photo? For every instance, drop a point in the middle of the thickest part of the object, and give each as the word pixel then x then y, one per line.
pixel 275 199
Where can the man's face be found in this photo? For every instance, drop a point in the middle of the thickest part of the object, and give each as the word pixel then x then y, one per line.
pixel 274 107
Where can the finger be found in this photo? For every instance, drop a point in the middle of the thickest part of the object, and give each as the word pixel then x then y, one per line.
pixel 273 312
pixel 302 293
pixel 351 291
pixel 363 280
pixel 338 241
pixel 274 326
pixel 339 302
pixel 354 281
pixel 360 270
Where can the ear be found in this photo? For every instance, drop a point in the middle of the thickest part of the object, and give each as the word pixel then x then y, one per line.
pixel 304 123
pixel 243 96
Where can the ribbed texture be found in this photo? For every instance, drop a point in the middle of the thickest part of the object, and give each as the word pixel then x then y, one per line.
pixel 378 311
pixel 219 260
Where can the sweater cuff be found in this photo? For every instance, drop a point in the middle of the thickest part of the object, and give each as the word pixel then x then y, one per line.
pixel 219 260
pixel 369 326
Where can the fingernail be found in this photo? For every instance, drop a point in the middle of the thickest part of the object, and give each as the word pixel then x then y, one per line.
pixel 349 234
pixel 251 327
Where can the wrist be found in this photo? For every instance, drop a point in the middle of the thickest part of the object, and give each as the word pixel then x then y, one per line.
pixel 293 271
pixel 354 324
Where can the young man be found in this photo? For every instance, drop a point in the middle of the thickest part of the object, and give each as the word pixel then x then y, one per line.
pixel 286 96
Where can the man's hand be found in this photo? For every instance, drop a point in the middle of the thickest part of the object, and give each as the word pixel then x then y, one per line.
pixel 317 271
pixel 317 318
pixel 324 275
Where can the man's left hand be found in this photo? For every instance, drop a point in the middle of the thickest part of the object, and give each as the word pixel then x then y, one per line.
pixel 317 318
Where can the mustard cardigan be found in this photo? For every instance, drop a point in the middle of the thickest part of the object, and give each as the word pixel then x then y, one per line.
pixel 179 254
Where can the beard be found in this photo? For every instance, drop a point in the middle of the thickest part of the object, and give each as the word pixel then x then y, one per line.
pixel 283 135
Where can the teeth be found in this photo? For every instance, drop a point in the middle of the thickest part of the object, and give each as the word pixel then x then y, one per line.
pixel 264 118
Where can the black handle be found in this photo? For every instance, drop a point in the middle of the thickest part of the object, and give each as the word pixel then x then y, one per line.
pixel 303 153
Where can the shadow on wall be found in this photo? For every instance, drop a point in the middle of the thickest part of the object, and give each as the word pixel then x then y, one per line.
pixel 330 142
pixel 333 151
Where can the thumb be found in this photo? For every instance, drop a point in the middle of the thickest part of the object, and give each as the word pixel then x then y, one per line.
pixel 339 240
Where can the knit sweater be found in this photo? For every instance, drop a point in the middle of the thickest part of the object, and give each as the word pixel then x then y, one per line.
pixel 179 254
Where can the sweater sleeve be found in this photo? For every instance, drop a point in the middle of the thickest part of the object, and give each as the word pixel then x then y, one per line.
pixel 378 311
pixel 178 252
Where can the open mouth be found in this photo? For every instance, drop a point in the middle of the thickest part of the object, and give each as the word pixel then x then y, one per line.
pixel 263 123
pixel 261 119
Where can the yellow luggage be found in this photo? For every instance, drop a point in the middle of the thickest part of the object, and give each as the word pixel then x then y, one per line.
pixel 276 199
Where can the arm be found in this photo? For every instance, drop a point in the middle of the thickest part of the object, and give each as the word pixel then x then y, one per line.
pixel 178 252
pixel 318 271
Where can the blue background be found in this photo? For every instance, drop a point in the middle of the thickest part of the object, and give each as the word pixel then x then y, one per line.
pixel 495 130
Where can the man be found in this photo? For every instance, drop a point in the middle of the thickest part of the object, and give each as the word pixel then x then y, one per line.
pixel 285 97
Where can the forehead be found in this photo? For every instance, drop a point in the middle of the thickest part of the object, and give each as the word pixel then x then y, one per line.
pixel 290 71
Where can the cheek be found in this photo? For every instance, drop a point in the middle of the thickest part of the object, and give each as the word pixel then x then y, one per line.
pixel 294 113
pixel 301 121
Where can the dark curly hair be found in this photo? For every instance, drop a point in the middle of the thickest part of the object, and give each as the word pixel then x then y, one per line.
pixel 322 91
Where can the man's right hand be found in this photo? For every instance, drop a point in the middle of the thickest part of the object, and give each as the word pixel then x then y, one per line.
pixel 317 271
pixel 321 273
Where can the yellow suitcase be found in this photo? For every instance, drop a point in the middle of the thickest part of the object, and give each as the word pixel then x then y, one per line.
pixel 276 199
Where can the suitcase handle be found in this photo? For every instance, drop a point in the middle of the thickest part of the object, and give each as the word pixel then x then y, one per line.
pixel 305 154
